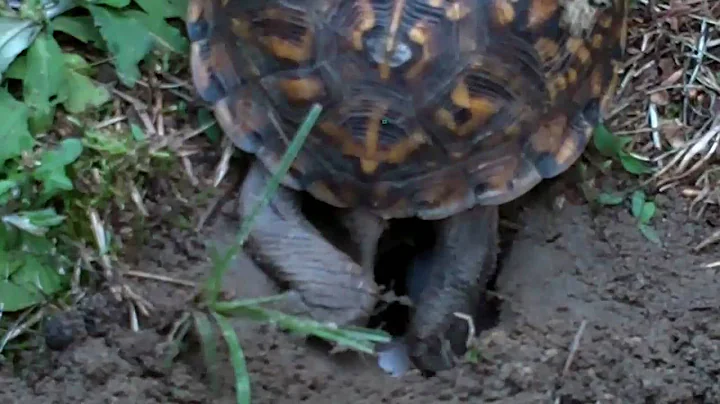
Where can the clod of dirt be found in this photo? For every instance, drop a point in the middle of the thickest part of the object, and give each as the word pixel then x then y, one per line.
pixel 62 329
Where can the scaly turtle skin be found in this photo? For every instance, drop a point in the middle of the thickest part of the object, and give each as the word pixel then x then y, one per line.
pixel 440 109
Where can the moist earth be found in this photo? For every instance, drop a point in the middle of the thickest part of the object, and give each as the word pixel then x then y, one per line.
pixel 645 320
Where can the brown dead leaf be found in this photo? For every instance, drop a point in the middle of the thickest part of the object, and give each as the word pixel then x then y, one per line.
pixel 673 78
pixel 674 133
pixel 661 98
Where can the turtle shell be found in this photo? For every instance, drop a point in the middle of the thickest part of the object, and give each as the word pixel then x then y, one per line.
pixel 429 106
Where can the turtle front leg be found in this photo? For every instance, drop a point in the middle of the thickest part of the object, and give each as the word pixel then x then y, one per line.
pixel 451 278
pixel 365 231
pixel 324 283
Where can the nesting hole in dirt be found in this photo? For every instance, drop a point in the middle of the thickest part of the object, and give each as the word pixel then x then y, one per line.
pixel 400 244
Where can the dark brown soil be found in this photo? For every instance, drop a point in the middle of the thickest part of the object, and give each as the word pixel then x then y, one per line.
pixel 652 331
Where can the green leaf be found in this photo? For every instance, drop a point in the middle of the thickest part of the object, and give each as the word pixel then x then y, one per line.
pixel 44 218
pixel 606 198
pixel 647 212
pixel 6 186
pixel 16 297
pixel 156 11
pixel 169 37
pixel 607 144
pixel 17 69
pixel 205 117
pixel 15 36
pixel 81 92
pixel 111 3
pixel 15 136
pixel 650 233
pixel 35 275
pixel 613 146
pixel 41 120
pixel 637 202
pixel 472 355
pixel 32 244
pixel 9 262
pixel 155 8
pixel 129 41
pixel 34 222
pixel 177 9
pixel 164 8
pixel 44 75
pixel 634 165
pixel 137 133
pixel 7 266
pixel 52 166
pixel 80 27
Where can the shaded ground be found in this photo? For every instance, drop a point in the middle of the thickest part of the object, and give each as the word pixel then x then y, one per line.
pixel 652 333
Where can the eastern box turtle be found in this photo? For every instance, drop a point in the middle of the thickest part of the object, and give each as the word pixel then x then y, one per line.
pixel 437 109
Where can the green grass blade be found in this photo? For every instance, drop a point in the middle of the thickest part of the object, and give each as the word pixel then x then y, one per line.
pixel 208 344
pixel 340 338
pixel 354 337
pixel 237 358
pixel 175 345
pixel 226 306
pixel 221 265
pixel 366 334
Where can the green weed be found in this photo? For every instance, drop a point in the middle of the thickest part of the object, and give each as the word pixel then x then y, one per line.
pixel 613 148
pixel 49 179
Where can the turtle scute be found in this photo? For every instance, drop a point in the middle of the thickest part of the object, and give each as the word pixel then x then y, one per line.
pixel 430 106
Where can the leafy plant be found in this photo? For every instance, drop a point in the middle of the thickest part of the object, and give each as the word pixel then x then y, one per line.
pixel 612 146
pixel 129 30
pixel 644 210
pixel 30 263
pixel 44 214
pixel 33 268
